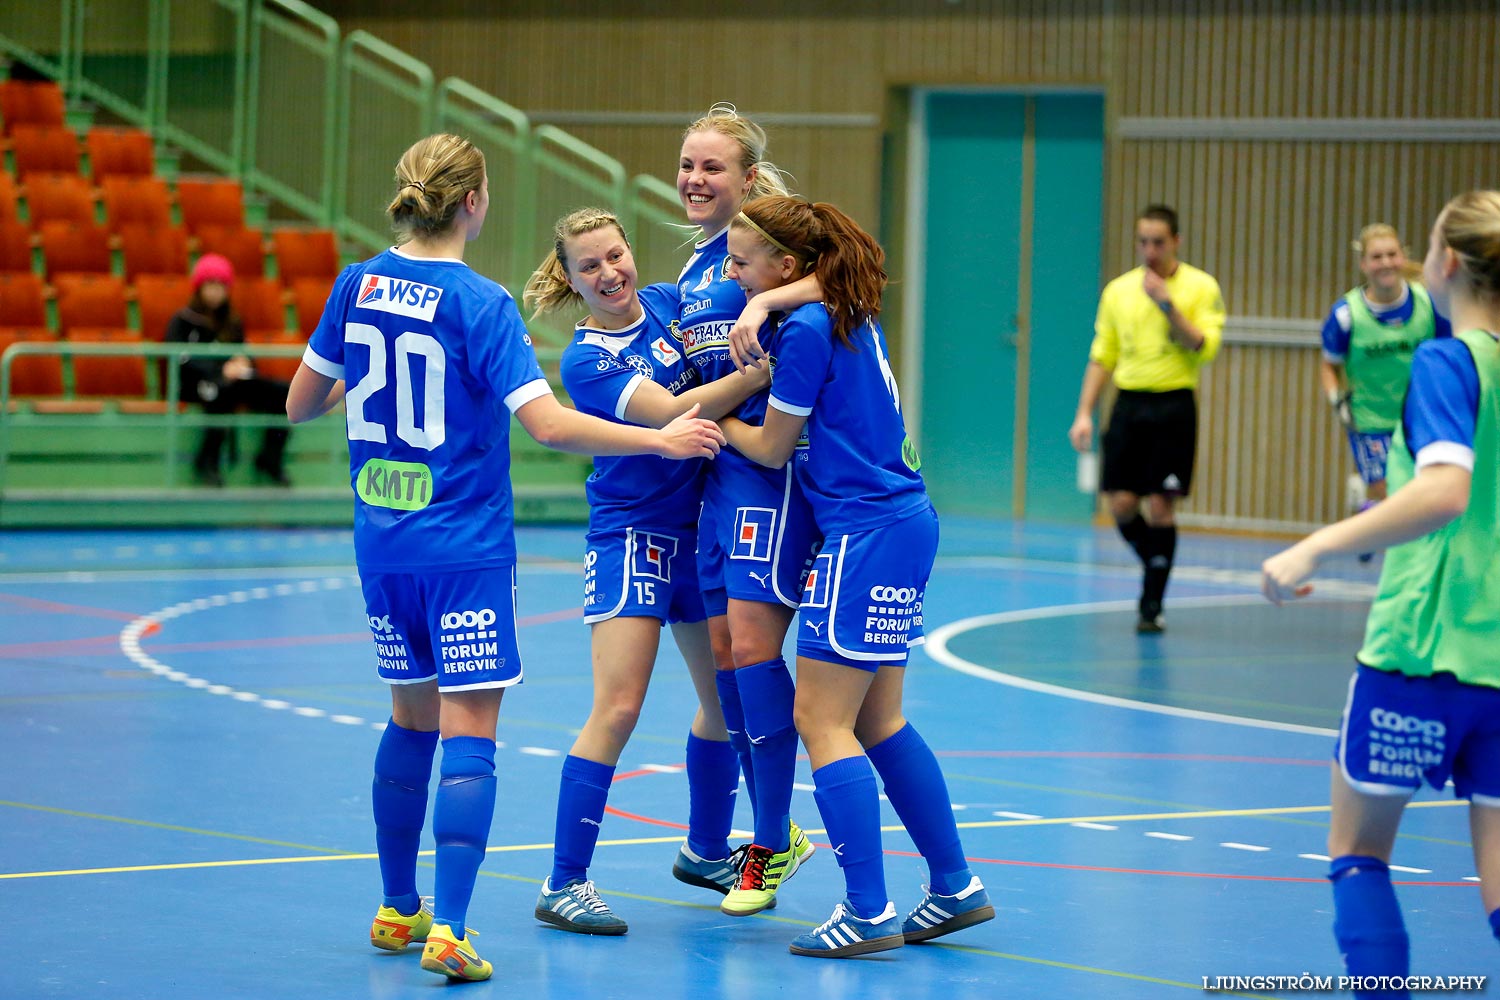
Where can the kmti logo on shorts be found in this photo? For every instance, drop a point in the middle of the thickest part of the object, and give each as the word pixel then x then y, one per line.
pixel 397 485
pixel 394 295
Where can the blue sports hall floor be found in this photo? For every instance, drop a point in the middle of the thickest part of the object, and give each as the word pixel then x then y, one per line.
pixel 188 723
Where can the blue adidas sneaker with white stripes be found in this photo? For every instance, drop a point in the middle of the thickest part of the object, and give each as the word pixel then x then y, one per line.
pixel 577 907
pixel 845 935
pixel 938 914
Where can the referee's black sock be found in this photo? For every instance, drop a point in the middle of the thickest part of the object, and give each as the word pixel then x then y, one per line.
pixel 1136 532
pixel 1160 549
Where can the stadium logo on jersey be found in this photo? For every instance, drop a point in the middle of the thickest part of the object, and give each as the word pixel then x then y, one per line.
pixel 653 556
pixel 819 582
pixel 640 364
pixel 708 277
pixel 403 298
pixel 664 351
pixel 754 531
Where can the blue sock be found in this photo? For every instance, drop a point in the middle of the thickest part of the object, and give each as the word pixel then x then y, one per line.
pixel 767 694
pixel 403 770
pixel 1367 920
pixel 461 823
pixel 916 790
pixel 734 721
pixel 1495 924
pixel 713 773
pixel 580 809
pixel 850 807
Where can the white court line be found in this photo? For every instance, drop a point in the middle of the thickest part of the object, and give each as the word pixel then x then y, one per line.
pixel 938 639
pixel 1094 826
pixel 1233 846
pixel 1168 836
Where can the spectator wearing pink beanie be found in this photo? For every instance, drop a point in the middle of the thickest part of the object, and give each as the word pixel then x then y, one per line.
pixel 224 385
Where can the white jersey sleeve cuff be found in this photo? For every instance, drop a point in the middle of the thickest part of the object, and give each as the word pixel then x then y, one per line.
pixel 322 365
pixel 625 395
pixel 785 407
pixel 1446 453
pixel 535 389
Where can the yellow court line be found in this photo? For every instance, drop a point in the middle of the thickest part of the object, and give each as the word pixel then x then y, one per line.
pixel 513 848
pixel 242 862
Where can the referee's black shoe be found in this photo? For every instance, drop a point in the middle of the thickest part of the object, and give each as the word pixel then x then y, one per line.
pixel 1150 621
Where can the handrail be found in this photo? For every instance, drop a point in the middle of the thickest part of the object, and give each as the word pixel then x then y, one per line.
pixel 612 181
pixel 358 57
pixel 170 418
pixel 489 119
pixel 320 207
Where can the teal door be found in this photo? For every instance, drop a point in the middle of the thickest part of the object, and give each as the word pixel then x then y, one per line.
pixel 1014 189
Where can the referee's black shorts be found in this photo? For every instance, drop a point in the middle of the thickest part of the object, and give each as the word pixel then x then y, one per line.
pixel 1148 447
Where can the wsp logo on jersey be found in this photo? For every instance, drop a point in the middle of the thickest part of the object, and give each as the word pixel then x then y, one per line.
pixel 754 532
pixel 394 295
pixel 653 556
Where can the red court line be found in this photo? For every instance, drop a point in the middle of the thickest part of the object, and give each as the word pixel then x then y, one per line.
pixel 56 608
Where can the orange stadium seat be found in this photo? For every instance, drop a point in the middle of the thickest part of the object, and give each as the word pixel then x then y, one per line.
pixel 74 248
pixel 120 152
pixel 157 299
pixel 40 149
pixel 15 247
pixel 23 301
pixel 305 253
pixel 59 198
pixel 10 198
pixel 136 200
pixel 278 368
pixel 153 250
pixel 309 296
pixel 33 374
pixel 210 201
pixel 261 303
pixel 90 300
pixel 27 102
pixel 244 248
pixel 112 374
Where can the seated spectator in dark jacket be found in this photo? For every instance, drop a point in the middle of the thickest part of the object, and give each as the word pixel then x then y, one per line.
pixel 224 385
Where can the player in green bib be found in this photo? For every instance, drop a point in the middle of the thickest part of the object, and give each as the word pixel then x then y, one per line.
pixel 1424 703
pixel 1368 340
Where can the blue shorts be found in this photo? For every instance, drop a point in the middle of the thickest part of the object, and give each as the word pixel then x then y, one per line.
pixel 459 627
pixel 756 536
pixel 1370 451
pixel 636 573
pixel 1399 730
pixel 863 606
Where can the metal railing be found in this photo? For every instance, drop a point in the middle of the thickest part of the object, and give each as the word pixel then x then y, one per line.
pixel 272 93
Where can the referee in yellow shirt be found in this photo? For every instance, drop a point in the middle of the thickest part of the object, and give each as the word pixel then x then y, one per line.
pixel 1157 325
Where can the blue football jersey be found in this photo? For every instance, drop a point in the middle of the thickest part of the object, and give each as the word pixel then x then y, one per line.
pixel 709 304
pixel 600 371
pixel 435 358
pixel 859 469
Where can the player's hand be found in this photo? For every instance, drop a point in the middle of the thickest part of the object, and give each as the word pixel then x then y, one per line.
pixel 1081 434
pixel 689 436
pixel 744 337
pixel 1345 410
pixel 1283 575
pixel 1156 287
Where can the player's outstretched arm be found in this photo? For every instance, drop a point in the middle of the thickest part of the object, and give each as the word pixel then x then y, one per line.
pixel 651 405
pixel 1437 495
pixel 311 395
pixel 771 445
pixel 744 336
pixel 556 426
